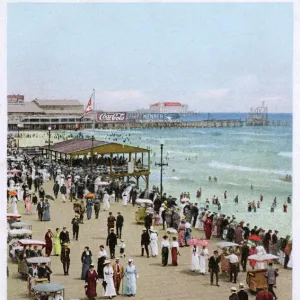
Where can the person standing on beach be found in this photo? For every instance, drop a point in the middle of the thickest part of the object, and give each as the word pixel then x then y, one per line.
pixel 145 241
pixel 63 191
pixel 56 189
pixel 65 258
pixel 119 225
pixel 64 236
pixel 75 222
pixel 110 222
pixel 40 209
pixel 194 213
pixel 112 242
pixel 213 267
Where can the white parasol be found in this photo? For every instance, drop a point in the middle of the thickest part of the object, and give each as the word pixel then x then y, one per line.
pixel 28 242
pixel 143 201
pixel 15 232
pixel 171 230
pixel 38 260
pixel 263 257
pixel 226 244
pixel 102 183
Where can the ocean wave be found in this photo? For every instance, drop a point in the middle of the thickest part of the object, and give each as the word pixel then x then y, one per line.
pixel 259 134
pixel 286 154
pixel 206 146
pixel 221 165
pixel 175 178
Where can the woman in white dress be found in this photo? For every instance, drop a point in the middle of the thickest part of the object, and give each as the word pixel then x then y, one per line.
pixel 153 242
pixel 204 255
pixel 106 201
pixel 195 259
pixel 124 198
pixel 108 281
pixel 161 209
pixel 14 207
pixel 112 198
pixel 260 251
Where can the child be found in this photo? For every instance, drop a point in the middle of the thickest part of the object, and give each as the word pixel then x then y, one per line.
pixel 122 249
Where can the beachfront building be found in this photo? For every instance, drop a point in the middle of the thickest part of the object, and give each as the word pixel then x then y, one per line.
pixel 168 108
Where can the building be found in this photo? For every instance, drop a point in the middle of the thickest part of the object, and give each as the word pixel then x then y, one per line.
pixel 168 108
pixel 15 99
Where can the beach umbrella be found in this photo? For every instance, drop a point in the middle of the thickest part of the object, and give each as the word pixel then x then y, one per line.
pixel 49 197
pixel 13 216
pixel 102 183
pixel 38 260
pixel 20 225
pixel 254 237
pixel 14 171
pixel 16 232
pixel 90 195
pixel 226 244
pixel 171 230
pixel 12 193
pixel 183 200
pixel 197 242
pixel 143 201
pixel 29 242
pixel 263 257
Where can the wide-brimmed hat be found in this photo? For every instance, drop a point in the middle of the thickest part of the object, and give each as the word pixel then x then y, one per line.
pixel 233 289
pixel 107 262
pixel 130 260
pixel 241 286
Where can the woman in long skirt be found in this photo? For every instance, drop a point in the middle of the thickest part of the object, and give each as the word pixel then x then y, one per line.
pixel 86 259
pixel 89 205
pixel 188 232
pixel 161 209
pixel 91 283
pixel 27 205
pixel 174 251
pixel 102 255
pixel 108 282
pixel 14 207
pixel 48 240
pixel 46 215
pixel 56 241
pixel 165 245
pixel 130 279
pixel 34 203
pixel 195 266
pixel 181 233
pixel 153 242
pixel 203 260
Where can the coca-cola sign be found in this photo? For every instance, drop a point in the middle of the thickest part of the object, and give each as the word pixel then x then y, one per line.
pixel 112 117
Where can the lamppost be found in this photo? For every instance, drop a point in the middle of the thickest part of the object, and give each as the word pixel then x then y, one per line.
pixel 49 134
pixel 92 155
pixel 19 127
pixel 161 164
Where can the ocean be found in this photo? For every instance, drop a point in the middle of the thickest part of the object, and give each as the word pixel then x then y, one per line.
pixel 238 157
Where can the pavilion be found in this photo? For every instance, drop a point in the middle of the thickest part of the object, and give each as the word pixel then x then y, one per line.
pixel 75 148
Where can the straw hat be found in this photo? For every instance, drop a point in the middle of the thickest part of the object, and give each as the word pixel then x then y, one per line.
pixel 107 262
pixel 233 289
pixel 130 260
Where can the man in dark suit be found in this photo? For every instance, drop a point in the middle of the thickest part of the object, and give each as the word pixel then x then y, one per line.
pixel 119 225
pixel 111 242
pixel 56 189
pixel 145 241
pixel 194 213
pixel 245 252
pixel 40 209
pixel 241 293
pixel 65 258
pixel 64 236
pixel 213 266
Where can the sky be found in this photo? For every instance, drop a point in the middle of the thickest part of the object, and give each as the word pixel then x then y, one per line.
pixel 214 57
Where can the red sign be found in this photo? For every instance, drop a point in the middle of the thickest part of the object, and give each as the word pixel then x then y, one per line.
pixel 111 117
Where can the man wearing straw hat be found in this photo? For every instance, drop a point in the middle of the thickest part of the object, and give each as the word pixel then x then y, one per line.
pixel 118 274
pixel 241 293
pixel 75 222
pixel 234 295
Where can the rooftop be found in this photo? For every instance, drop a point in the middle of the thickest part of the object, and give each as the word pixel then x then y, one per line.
pixel 26 107
pixel 167 104
pixel 61 102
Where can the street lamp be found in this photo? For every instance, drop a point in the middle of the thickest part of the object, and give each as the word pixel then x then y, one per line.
pixel 92 155
pixel 19 127
pixel 49 134
pixel 161 166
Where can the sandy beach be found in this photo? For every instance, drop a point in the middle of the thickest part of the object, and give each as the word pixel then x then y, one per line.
pixel 155 282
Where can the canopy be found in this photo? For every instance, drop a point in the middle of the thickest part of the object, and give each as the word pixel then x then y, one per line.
pixel 13 216
pixel 102 183
pixel 262 257
pixel 226 244
pixel 48 287
pixel 140 201
pixel 38 260
pixel 15 232
pixel 254 237
pixel 197 242
pixel 29 242
pixel 171 230
pixel 90 195
pixel 20 224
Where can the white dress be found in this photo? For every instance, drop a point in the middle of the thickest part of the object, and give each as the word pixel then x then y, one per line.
pixel 195 260
pixel 108 278
pixel 260 251
pixel 153 244
pixel 14 207
pixel 106 202
pixel 112 198
pixel 161 209
pixel 290 263
pixel 124 199
pixel 203 259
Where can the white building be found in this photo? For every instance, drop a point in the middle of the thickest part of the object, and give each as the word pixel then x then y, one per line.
pixel 168 107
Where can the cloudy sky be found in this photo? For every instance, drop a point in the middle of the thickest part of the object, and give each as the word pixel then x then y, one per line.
pixel 214 57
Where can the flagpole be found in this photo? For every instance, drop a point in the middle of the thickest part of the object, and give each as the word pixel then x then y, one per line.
pixel 94 114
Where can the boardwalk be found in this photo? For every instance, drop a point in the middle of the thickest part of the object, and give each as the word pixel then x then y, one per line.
pixel 155 281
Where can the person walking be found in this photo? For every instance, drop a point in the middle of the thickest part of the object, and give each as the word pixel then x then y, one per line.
pixel 264 295
pixel 63 191
pixel 65 258
pixel 86 260
pixel 108 281
pixel 234 264
pixel 242 294
pixel 174 251
pixel 102 256
pixel 56 189
pixel 40 209
pixel 271 275
pixel 56 241
pixel 119 225
pixel 97 204
pixel 165 245
pixel 75 222
pixel 91 281
pixel 106 199
pixel 130 279
pixel 153 242
pixel 48 241
pixel 111 242
pixel 89 210
pixel 118 274
pixel 145 241
pixel 214 269
pixel 110 222
pixel 46 214
pixel 64 236
pixel 245 252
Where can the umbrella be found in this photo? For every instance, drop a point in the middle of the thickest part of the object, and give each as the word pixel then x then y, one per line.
pixel 226 244
pixel 14 171
pixel 15 232
pixel 197 242
pixel 20 224
pixel 48 287
pixel 12 193
pixel 13 216
pixel 38 260
pixel 102 183
pixel 28 242
pixel 263 257
pixel 141 201
pixel 183 200
pixel 49 197
pixel 171 230
pixel 254 237
pixel 90 195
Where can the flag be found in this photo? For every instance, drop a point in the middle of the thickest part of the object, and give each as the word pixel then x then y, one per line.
pixel 88 108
